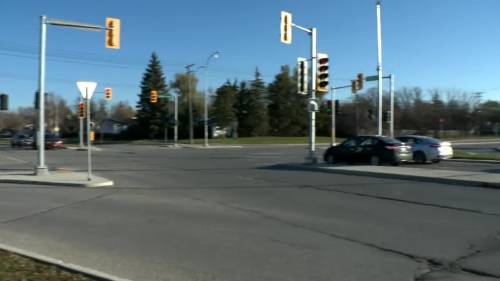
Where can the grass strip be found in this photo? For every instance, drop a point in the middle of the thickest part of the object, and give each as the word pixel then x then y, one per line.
pixel 18 268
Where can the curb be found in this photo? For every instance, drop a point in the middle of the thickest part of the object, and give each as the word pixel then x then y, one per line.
pixel 68 179
pixel 309 167
pixel 88 272
pixel 59 183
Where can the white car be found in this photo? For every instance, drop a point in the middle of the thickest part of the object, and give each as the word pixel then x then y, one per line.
pixel 427 149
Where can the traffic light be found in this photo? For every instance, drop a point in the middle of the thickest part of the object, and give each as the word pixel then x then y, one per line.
pixel 4 102
pixel 329 106
pixel 81 110
pixel 322 76
pixel 337 108
pixel 360 81
pixel 354 86
pixel 108 93
pixel 302 82
pixel 286 28
pixel 112 33
pixel 154 96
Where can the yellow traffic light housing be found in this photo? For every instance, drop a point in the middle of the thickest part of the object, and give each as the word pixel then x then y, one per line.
pixel 108 94
pixel 154 96
pixel 354 86
pixel 286 28
pixel 112 33
pixel 322 76
pixel 360 81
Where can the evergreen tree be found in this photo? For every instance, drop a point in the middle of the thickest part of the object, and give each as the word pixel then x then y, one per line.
pixel 224 104
pixel 242 110
pixel 287 109
pixel 151 117
pixel 252 108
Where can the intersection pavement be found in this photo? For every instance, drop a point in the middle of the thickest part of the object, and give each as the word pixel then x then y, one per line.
pixel 186 214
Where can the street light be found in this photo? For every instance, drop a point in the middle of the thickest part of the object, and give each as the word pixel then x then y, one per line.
pixel 214 55
pixel 189 72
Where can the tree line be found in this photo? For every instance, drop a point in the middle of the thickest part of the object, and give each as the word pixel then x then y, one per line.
pixel 254 108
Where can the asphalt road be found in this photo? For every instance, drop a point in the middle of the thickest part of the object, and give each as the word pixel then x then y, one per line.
pixel 231 214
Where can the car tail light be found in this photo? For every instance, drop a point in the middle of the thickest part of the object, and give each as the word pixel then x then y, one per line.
pixel 435 145
pixel 392 147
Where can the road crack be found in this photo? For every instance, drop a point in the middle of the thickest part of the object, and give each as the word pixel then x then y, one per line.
pixel 59 207
pixel 427 265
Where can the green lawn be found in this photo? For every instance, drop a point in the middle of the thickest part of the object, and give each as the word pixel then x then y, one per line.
pixel 459 154
pixel 18 268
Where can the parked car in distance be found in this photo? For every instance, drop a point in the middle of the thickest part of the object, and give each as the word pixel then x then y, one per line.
pixel 372 149
pixel 21 140
pixel 425 149
pixel 51 142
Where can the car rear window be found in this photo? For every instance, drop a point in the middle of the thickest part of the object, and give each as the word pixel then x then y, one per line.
pixel 390 140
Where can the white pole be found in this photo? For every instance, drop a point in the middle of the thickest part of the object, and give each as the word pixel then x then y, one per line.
pixel 334 125
pixel 205 106
pixel 312 113
pixel 392 105
pixel 89 156
pixel 41 168
pixel 379 67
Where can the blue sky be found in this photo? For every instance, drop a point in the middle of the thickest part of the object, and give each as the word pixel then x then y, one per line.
pixel 448 44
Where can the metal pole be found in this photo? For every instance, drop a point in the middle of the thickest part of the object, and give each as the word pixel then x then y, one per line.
pixel 89 156
pixel 190 104
pixel 312 113
pixel 391 128
pixel 379 68
pixel 81 132
pixel 205 106
pixel 334 124
pixel 41 168
pixel 176 118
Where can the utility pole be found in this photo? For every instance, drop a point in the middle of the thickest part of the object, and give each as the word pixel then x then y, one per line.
pixel 379 67
pixel 190 102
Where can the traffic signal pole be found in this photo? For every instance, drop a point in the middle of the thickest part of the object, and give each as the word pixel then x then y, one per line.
pixel 311 159
pixel 391 128
pixel 41 168
pixel 379 67
pixel 334 121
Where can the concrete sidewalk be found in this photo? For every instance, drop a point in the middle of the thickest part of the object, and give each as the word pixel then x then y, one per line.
pixel 490 180
pixel 57 177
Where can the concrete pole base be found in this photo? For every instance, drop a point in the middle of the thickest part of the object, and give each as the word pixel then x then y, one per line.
pixel 42 171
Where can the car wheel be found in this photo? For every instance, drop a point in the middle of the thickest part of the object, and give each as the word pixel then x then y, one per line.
pixel 375 160
pixel 330 159
pixel 395 163
pixel 436 160
pixel 419 157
